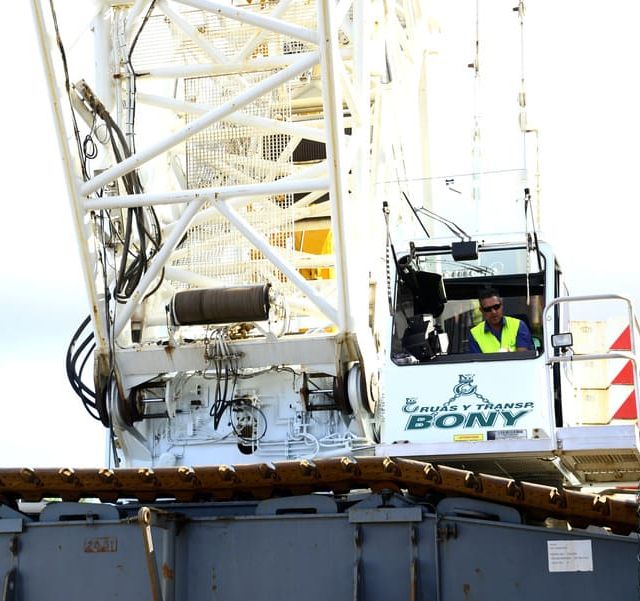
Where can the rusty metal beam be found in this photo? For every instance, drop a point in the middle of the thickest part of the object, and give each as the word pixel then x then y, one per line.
pixel 338 475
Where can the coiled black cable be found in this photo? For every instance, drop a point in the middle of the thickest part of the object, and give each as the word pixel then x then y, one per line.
pixel 82 352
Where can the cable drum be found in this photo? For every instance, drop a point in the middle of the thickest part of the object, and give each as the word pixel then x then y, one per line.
pixel 220 305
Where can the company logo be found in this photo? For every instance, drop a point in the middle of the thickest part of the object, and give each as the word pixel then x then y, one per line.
pixel 466 387
pixel 467 408
pixel 410 404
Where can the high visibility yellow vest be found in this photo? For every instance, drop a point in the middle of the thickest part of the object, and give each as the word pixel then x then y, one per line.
pixel 488 343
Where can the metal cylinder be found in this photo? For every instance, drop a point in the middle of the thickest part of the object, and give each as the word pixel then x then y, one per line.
pixel 220 305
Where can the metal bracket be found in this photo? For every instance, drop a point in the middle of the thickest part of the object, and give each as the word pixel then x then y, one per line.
pixel 147 517
pixel 9 585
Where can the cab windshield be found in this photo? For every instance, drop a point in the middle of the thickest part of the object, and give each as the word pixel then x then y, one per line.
pixel 436 301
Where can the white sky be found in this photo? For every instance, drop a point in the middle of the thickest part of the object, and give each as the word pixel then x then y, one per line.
pixel 583 95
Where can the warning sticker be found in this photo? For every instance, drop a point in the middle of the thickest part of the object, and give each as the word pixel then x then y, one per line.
pixel 570 556
pixel 468 437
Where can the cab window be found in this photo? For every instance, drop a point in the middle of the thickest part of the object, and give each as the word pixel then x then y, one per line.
pixel 436 301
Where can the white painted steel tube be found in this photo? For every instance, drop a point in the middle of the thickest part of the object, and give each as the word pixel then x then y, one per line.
pixel 335 159
pixel 261 243
pixel 233 105
pixel 604 297
pixel 631 357
pixel 189 277
pixel 253 42
pixel 362 191
pixel 271 125
pixel 192 33
pixel 103 61
pixel 134 13
pixel 207 215
pixel 253 18
pixel 587 298
pixel 262 63
pixel 157 263
pixel 82 233
pixel 547 319
pixel 308 199
pixel 301 205
pixel 596 357
pixel 281 186
pixel 342 9
pixel 349 99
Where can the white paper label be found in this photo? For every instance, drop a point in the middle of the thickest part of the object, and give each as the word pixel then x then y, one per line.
pixel 570 556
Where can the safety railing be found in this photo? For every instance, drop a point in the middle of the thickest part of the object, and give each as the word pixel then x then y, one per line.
pixel 560 351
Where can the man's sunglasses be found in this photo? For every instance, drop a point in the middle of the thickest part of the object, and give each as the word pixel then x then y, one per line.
pixel 491 308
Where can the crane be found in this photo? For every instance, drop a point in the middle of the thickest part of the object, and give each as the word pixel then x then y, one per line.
pixel 280 306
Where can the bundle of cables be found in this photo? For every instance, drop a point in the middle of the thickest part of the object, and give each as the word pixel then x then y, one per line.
pixel 81 352
pixel 140 241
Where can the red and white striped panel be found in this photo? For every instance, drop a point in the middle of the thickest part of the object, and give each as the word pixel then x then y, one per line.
pixel 627 409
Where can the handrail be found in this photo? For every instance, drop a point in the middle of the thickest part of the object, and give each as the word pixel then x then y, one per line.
pixel 585 298
pixel 630 355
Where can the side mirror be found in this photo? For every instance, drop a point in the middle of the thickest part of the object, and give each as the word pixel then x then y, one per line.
pixel 562 342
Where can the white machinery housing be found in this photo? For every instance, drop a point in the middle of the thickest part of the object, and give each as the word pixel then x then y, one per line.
pixel 246 180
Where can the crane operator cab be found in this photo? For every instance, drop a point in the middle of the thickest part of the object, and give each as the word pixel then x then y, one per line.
pixel 542 413
pixel 441 398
